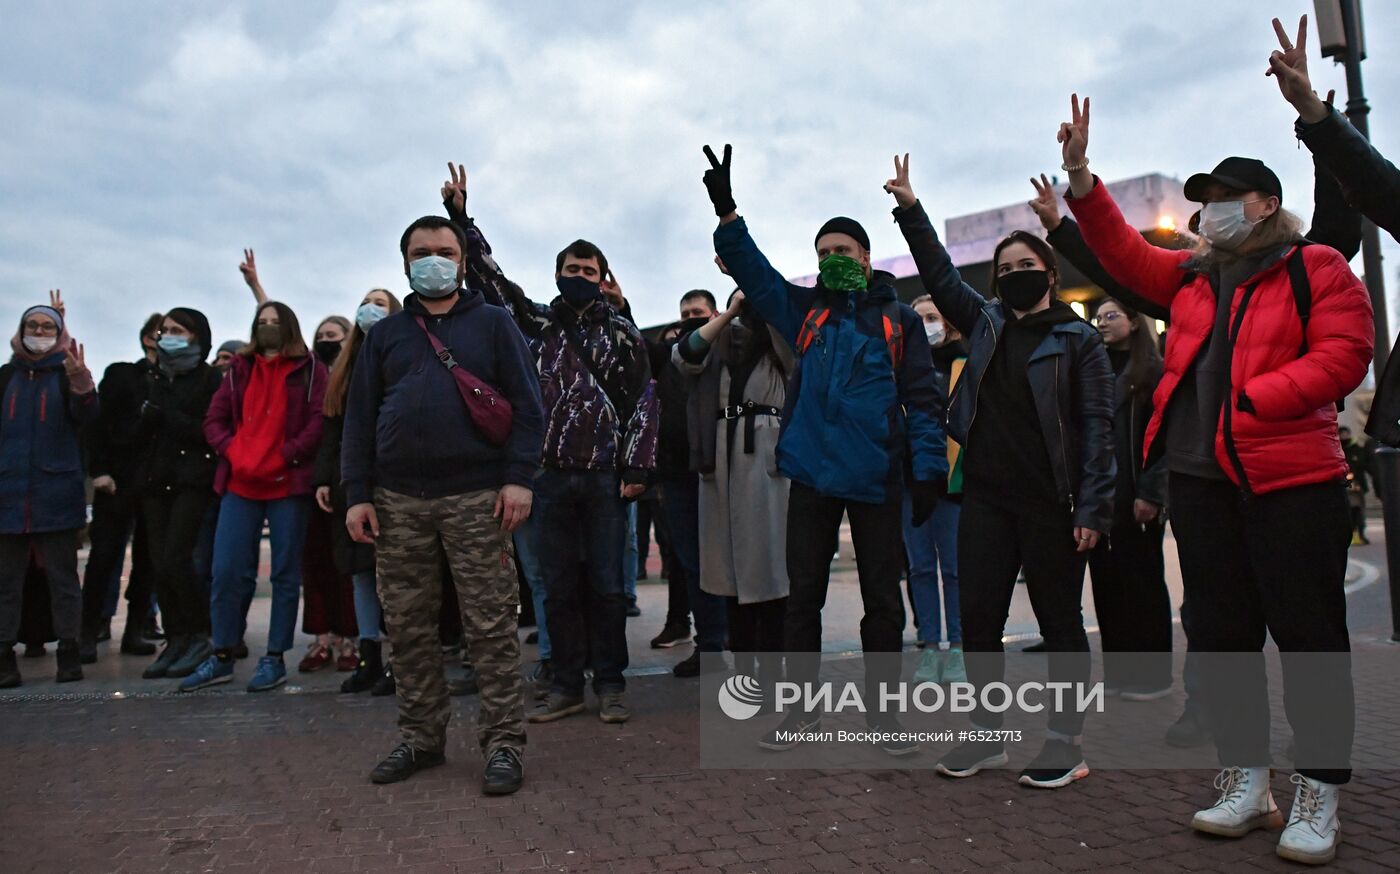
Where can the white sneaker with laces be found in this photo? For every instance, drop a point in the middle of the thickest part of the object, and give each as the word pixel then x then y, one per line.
pixel 1313 830
pixel 1245 804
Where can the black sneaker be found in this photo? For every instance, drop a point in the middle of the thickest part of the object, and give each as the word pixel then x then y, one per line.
pixel 174 648
pixel 670 636
pixel 894 741
pixel 9 669
pixel 1059 764
pixel 70 665
pixel 532 639
pixel 789 732
pixel 504 772
pixel 87 648
pixel 690 667
pixel 385 685
pixel 1189 730
pixel 104 630
pixel 404 762
pixel 633 611
pixel 969 757
pixel 133 643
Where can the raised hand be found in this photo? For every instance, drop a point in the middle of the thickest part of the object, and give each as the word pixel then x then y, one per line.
pixel 720 264
pixel 1045 205
pixel 56 301
pixel 1290 68
pixel 1073 136
pixel 74 360
pixel 717 182
pixel 249 269
pixel 899 186
pixel 454 190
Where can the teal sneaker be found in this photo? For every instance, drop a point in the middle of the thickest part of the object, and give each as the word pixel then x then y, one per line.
pixel 930 668
pixel 954 668
pixel 211 672
pixel 270 674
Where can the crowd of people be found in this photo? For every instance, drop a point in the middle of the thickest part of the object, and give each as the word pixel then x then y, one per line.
pixel 430 465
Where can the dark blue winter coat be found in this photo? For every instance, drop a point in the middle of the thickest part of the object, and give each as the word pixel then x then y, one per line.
pixel 41 462
pixel 851 423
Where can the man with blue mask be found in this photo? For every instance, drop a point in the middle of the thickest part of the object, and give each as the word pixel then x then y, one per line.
pixel 599 450
pixel 427 477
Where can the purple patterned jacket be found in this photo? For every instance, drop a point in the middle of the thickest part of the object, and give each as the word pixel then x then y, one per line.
pixel 586 426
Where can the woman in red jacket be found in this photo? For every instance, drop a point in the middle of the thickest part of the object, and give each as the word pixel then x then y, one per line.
pixel 1268 333
pixel 265 423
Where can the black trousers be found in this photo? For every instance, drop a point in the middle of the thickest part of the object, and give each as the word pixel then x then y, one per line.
pixel 814 523
pixel 1273 564
pixel 756 627
pixel 1132 604
pixel 114 520
pixel 995 541
pixel 173 521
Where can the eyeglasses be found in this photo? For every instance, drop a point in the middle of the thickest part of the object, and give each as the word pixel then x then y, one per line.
pixel 1105 318
pixel 43 329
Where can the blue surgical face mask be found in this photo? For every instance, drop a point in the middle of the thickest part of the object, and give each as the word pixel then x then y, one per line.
pixel 1224 225
pixel 172 343
pixel 433 277
pixel 368 315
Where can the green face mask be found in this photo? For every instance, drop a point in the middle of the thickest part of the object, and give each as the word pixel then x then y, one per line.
pixel 840 273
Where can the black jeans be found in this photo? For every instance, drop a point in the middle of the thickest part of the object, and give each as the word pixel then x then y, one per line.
pixel 114 519
pixel 814 522
pixel 173 523
pixel 1132 604
pixel 994 542
pixel 1270 564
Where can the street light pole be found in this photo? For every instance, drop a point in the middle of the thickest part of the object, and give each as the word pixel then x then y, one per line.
pixel 1387 458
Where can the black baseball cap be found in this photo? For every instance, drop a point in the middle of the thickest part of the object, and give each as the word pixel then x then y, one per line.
pixel 1241 174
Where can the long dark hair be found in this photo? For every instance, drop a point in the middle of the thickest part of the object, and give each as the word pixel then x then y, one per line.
pixel 293 344
pixel 1039 247
pixel 1144 361
pixel 759 342
pixel 339 385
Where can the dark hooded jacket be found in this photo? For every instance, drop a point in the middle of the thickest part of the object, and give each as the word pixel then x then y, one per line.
pixel 175 453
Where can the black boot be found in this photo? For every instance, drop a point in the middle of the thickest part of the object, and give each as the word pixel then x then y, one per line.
pixel 70 665
pixel 9 668
pixel 367 672
pixel 384 685
pixel 87 647
pixel 133 642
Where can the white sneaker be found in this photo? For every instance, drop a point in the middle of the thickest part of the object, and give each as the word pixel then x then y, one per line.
pixel 1313 830
pixel 1245 804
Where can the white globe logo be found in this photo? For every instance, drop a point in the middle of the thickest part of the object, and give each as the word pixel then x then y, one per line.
pixel 740 697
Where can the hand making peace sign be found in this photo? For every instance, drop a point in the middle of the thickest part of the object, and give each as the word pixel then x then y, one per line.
pixel 454 190
pixel 717 182
pixel 899 186
pixel 1073 136
pixel 1045 205
pixel 56 301
pixel 1290 68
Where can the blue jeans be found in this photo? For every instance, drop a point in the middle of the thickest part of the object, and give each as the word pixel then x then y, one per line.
pixel 629 555
pixel 581 523
pixel 236 561
pixel 367 610
pixel 527 553
pixel 931 547
pixel 680 501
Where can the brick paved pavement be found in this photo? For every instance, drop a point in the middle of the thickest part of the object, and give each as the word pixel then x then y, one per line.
pixel 229 782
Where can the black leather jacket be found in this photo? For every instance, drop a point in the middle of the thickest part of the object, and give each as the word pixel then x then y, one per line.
pixel 1069 374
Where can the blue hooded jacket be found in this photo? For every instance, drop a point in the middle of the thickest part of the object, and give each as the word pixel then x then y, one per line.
pixel 852 427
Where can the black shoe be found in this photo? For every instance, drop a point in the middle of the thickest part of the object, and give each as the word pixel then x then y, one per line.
pixel 1188 731
pixel 87 649
pixel 788 733
pixel 504 772
pixel 690 667
pixel 385 684
pixel 195 649
pixel 70 665
pixel 542 676
pixel 670 636
pixel 633 611
pixel 240 652
pixel 894 739
pixel 151 629
pixel 133 643
pixel 367 672
pixel 533 638
pixel 463 685
pixel 9 669
pixel 403 763
pixel 104 631
pixel 174 648
pixel 969 757
pixel 1060 763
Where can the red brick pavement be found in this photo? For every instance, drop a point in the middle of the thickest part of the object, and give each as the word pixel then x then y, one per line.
pixel 235 783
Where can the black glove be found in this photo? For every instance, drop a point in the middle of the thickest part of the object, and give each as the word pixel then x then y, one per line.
pixel 717 182
pixel 151 414
pixel 1244 404
pixel 925 495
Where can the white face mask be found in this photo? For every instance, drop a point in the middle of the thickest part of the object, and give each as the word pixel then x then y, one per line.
pixel 39 345
pixel 1224 225
pixel 936 332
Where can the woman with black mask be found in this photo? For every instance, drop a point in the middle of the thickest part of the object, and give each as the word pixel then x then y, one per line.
pixel 1034 413
pixel 177 477
pixel 738 374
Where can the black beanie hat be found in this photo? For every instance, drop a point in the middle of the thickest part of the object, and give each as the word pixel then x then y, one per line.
pixel 848 226
pixel 195 322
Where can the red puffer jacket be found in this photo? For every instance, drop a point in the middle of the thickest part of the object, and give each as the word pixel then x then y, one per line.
pixel 1290 438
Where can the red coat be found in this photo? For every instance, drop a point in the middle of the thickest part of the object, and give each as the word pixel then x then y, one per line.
pixel 1291 437
pixel 306 393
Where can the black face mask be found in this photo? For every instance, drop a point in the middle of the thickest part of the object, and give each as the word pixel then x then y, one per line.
pixel 327 350
pixel 1023 289
pixel 577 291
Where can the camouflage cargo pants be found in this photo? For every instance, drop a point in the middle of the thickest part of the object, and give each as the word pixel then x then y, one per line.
pixel 413 534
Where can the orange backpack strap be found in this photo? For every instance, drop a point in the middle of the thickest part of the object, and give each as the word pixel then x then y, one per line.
pixel 894 334
pixel 811 327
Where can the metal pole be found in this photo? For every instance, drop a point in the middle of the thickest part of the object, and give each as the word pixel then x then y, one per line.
pixel 1387 458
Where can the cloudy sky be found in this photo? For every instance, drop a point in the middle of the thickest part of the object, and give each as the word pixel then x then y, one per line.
pixel 150 142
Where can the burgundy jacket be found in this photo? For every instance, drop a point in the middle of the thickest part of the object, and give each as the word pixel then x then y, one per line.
pixel 306 395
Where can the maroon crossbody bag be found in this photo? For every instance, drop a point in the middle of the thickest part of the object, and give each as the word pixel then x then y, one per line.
pixel 491 413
